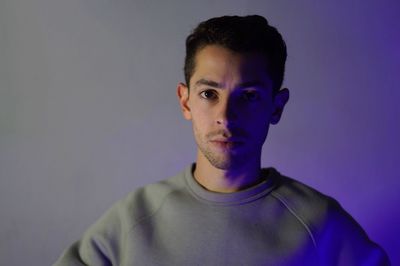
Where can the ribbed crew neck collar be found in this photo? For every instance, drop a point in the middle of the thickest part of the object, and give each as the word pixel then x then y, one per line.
pixel 269 176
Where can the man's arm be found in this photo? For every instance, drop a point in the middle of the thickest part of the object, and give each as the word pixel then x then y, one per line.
pixel 100 244
pixel 83 253
pixel 342 241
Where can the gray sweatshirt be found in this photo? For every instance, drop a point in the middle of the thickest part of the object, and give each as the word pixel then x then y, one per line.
pixel 177 222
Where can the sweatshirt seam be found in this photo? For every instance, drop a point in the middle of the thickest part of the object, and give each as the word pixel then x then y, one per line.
pixel 269 186
pixel 297 216
pixel 227 203
pixel 140 220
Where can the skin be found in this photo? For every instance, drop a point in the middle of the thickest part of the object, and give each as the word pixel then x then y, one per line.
pixel 231 105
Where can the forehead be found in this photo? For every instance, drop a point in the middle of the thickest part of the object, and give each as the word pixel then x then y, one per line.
pixel 219 63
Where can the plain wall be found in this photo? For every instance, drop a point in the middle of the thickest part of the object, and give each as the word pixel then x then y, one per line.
pixel 88 110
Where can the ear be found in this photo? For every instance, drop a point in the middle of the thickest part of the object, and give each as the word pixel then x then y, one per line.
pixel 182 92
pixel 279 102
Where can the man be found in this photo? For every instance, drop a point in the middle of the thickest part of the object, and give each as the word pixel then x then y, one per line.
pixel 225 209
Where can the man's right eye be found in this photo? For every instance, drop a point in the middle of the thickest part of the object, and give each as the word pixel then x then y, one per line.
pixel 208 94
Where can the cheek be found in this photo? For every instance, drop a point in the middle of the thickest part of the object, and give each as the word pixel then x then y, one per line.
pixel 259 129
pixel 200 123
pixel 258 123
pixel 201 115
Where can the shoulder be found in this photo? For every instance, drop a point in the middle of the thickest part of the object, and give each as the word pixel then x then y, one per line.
pixel 145 201
pixel 336 234
pixel 307 203
pixel 317 210
pixel 137 205
pixel 103 242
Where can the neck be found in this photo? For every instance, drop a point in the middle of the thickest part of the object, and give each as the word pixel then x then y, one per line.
pixel 236 178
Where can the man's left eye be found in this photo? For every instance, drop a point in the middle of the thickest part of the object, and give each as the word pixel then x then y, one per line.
pixel 251 95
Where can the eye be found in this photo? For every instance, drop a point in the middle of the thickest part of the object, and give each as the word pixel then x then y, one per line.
pixel 251 96
pixel 208 94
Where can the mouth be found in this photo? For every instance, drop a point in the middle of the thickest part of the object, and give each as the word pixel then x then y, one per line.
pixel 226 144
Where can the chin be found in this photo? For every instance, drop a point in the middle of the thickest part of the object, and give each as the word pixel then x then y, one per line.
pixel 221 165
pixel 225 162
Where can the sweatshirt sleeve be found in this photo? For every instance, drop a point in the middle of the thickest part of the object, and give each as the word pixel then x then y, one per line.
pixel 342 241
pixel 106 241
pixel 83 252
pixel 100 244
pixel 339 240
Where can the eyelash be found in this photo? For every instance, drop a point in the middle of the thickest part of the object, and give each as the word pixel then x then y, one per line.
pixel 254 93
pixel 215 95
pixel 207 98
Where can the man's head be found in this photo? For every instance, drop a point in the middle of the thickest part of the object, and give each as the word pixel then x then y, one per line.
pixel 242 35
pixel 234 80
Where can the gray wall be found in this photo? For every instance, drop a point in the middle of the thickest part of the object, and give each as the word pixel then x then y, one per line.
pixel 88 109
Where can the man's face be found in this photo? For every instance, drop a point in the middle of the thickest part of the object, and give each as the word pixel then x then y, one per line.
pixel 230 104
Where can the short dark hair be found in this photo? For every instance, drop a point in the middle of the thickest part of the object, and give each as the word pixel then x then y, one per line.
pixel 240 34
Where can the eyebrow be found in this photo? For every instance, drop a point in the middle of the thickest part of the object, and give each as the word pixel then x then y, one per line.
pixel 207 82
pixel 217 85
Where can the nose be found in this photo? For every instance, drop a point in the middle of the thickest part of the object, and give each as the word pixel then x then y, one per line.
pixel 226 113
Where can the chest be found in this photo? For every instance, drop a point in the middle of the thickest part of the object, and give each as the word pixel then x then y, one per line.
pixel 263 233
